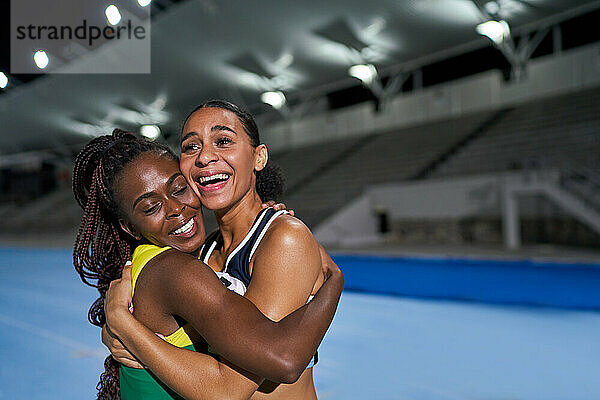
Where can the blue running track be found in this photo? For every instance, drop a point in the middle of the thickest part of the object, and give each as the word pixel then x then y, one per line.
pixel 379 347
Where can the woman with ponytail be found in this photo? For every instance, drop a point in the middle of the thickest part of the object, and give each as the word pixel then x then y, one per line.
pixel 137 206
pixel 270 255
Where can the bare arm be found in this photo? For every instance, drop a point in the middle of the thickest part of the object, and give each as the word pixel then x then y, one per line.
pixel 273 350
pixel 115 346
pixel 198 376
pixel 285 268
pixel 117 350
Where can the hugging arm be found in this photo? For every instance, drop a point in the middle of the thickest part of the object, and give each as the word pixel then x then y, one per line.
pixel 195 376
pixel 232 325
pixel 285 268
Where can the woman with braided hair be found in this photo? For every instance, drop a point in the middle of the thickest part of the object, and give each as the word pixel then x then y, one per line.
pixel 269 255
pixel 134 197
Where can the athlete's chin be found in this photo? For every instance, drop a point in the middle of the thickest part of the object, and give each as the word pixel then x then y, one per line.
pixel 215 202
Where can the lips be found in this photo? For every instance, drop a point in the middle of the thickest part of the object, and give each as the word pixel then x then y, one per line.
pixel 187 230
pixel 211 181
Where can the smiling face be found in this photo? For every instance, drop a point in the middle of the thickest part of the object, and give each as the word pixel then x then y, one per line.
pixel 217 158
pixel 157 203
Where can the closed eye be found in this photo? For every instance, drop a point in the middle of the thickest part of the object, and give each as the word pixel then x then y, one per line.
pixel 180 191
pixel 152 209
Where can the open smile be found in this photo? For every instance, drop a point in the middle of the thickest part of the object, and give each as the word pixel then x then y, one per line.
pixel 187 230
pixel 212 181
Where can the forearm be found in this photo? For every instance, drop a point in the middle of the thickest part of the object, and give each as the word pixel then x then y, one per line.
pixel 230 323
pixel 192 375
pixel 280 351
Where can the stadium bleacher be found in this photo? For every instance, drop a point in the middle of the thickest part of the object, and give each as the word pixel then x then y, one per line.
pixel 561 132
pixel 336 178
pixel 557 132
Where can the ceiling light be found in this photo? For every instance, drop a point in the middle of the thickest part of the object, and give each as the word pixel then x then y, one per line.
pixel 41 59
pixel 274 99
pixel 497 31
pixel 144 3
pixel 3 80
pixel 150 131
pixel 364 72
pixel 112 14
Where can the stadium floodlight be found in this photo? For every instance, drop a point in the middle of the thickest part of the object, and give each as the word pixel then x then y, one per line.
pixel 364 72
pixel 3 80
pixel 112 14
pixel 150 131
pixel 274 99
pixel 41 59
pixel 497 31
pixel 144 3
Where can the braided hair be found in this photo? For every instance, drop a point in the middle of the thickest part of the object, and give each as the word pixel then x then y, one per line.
pixel 101 247
pixel 270 181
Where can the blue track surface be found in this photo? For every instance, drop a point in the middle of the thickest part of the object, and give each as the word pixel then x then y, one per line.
pixel 379 347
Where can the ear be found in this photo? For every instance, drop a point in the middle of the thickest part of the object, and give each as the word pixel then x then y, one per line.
pixel 129 229
pixel 261 156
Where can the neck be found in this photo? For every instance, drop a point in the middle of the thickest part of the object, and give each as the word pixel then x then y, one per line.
pixel 235 221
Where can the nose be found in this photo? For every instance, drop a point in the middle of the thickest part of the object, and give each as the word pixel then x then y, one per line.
pixel 206 156
pixel 175 208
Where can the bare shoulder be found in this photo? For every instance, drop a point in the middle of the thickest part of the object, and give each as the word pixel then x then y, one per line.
pixel 287 239
pixel 173 278
pixel 168 261
pixel 170 268
pixel 285 267
pixel 286 231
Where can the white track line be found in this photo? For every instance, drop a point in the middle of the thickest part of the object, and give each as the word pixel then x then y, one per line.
pixel 80 349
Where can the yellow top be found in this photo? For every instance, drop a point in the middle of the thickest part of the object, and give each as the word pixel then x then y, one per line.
pixel 182 337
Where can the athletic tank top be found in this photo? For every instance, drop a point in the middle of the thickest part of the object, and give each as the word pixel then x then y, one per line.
pixel 237 265
pixel 236 273
pixel 141 383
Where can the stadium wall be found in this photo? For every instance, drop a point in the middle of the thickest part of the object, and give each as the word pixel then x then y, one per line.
pixel 451 210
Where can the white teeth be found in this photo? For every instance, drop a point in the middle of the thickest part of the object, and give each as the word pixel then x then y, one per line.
pixel 186 228
pixel 215 176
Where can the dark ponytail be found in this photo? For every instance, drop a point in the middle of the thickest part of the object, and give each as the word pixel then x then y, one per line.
pixel 270 183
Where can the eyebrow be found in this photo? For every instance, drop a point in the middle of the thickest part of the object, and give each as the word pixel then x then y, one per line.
pixel 213 129
pixel 188 135
pixel 222 128
pixel 150 194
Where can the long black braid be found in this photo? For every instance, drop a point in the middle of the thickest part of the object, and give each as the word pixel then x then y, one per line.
pixel 101 247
